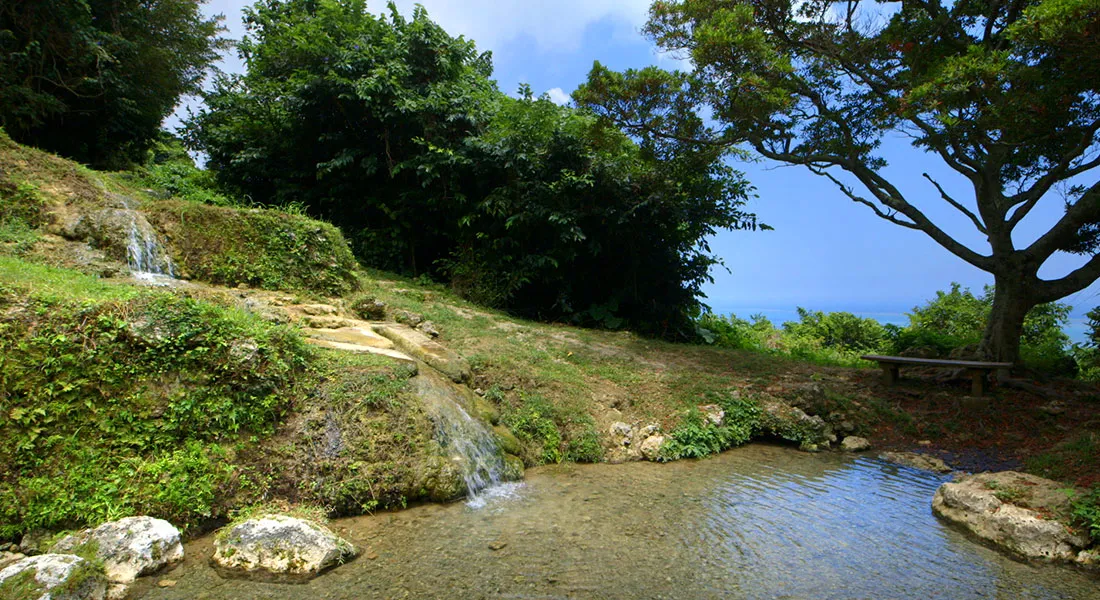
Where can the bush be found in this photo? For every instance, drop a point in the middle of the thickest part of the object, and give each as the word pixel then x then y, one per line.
pixel 840 330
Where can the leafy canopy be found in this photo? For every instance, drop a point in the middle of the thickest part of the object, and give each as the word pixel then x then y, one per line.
pixel 94 79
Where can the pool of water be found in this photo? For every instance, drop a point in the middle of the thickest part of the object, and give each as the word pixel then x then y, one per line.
pixel 756 522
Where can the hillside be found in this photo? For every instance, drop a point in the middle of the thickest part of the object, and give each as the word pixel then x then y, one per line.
pixel 272 367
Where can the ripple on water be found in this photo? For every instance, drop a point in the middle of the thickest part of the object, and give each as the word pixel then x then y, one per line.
pixel 757 522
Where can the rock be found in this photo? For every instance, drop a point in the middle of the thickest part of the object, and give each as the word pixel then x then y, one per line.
pixel 649 430
pixel 788 422
pixel 621 433
pixel 854 443
pixel 1089 558
pixel 806 395
pixel 1006 508
pixel 513 468
pixel 7 558
pixel 420 346
pixel 368 309
pixel 279 547
pixel 53 577
pixel 429 329
pixel 497 545
pixel 915 460
pixel 651 447
pixel 166 583
pixel 441 479
pixel 713 413
pixel 409 318
pixel 507 440
pixel 964 352
pixel 129 548
pixel 317 310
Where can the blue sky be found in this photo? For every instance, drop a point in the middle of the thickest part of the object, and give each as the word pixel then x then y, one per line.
pixel 826 253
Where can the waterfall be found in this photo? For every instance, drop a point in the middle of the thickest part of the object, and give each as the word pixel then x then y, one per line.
pixel 145 255
pixel 463 437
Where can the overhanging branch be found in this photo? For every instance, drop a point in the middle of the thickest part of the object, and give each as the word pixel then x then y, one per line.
pixel 943 194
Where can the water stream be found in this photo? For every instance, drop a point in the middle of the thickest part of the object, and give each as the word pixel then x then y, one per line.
pixel 466 440
pixel 756 522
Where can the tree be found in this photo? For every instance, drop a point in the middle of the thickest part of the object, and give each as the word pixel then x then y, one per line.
pixel 1005 93
pixel 94 79
pixel 355 116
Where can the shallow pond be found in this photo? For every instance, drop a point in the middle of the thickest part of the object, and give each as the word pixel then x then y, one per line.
pixel 756 522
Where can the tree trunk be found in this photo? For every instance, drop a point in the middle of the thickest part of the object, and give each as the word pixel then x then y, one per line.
pixel 1011 303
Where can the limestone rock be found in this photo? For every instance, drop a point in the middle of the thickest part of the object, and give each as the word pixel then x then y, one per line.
pixel 713 413
pixel 7 558
pixel 429 329
pixel 129 547
pixel 317 310
pixel 782 420
pixel 513 468
pixel 508 442
pixel 280 547
pixel 420 346
pixel 53 577
pixel 916 460
pixel 651 447
pixel 855 443
pixel 406 317
pixel 1006 508
pixel 621 433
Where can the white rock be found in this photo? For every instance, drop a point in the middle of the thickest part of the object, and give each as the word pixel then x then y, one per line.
pixel 714 413
pixel 129 547
pixel 81 580
pixel 280 546
pixel 651 447
pixel 973 502
pixel 855 443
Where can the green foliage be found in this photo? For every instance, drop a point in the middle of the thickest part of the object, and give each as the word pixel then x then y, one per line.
pixel 21 213
pixel 116 400
pixel 840 330
pixel 805 340
pixel 1086 512
pixel 392 129
pixel 170 170
pixel 695 436
pixel 93 80
pixel 533 423
pixel 261 248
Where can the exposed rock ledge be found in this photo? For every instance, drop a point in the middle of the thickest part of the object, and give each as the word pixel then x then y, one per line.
pixel 1012 510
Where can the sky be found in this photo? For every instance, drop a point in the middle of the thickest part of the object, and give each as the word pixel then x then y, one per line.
pixel 826 252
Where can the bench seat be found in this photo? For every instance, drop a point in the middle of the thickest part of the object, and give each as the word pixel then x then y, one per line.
pixel 978 370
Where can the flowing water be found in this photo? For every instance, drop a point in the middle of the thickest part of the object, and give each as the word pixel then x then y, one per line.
pixel 466 440
pixel 756 522
pixel 146 257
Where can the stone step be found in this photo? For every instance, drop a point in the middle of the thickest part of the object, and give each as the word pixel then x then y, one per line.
pixel 362 336
pixel 388 353
pixel 420 346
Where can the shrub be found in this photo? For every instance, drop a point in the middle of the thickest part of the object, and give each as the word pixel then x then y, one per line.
pixel 841 330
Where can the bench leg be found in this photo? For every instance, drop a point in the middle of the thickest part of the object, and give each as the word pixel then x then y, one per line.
pixel 977 382
pixel 889 374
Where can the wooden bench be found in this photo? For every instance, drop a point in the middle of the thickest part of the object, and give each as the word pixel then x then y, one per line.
pixel 977 370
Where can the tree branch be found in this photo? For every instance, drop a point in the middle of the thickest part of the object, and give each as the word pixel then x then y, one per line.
pixel 1085 210
pixel 1061 172
pixel 1079 279
pixel 851 194
pixel 943 194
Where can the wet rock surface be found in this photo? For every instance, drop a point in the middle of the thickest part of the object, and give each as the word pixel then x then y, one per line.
pixel 128 548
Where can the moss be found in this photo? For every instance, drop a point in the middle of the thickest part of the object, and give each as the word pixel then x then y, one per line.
pixel 261 248
pixel 22 586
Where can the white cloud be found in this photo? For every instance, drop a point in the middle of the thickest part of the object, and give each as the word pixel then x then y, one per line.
pixel 554 25
pixel 557 96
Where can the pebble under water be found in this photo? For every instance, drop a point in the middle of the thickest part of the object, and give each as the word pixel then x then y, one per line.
pixel 756 522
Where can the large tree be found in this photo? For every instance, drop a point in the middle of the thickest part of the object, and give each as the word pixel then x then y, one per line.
pixel 1004 92
pixel 94 79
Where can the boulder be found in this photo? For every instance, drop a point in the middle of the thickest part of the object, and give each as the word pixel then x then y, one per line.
pixel 1008 509
pixel 279 547
pixel 790 423
pixel 855 443
pixel 53 577
pixel 621 433
pixel 421 347
pixel 651 447
pixel 916 460
pixel 429 329
pixel 129 547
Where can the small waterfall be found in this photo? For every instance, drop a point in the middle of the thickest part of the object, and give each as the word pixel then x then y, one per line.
pixel 145 254
pixel 462 436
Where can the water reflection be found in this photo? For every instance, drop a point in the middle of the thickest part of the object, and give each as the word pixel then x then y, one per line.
pixel 757 522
